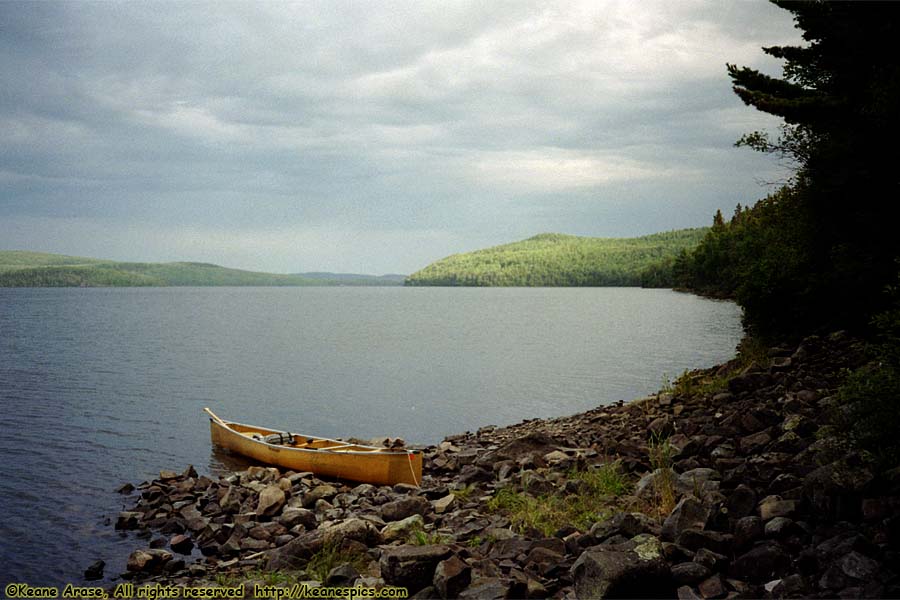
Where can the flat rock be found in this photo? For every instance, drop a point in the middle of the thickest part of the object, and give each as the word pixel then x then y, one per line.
pixel 451 576
pixel 602 573
pixel 402 508
pixel 689 573
pixel 412 567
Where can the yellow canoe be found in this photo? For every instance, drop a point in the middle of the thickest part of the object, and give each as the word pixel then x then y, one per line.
pixel 322 456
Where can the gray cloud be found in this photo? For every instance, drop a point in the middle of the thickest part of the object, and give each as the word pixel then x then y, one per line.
pixel 289 136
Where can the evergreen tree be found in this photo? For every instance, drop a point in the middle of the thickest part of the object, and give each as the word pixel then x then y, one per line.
pixel 840 100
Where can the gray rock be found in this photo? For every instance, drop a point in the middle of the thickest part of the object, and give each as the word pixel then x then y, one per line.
pixel 181 544
pixel 486 588
pixel 648 485
pixel 741 502
pixel 148 561
pixel 694 539
pixel 405 507
pixel 412 567
pixel 95 571
pixel 762 563
pixel 858 566
pixel 836 490
pixel 780 527
pixel 451 577
pixel 442 505
pixel 271 500
pixel 688 513
pixel 685 592
pixel 128 520
pixel 713 587
pixel 755 442
pixel 711 560
pixel 746 531
pixel 625 524
pixel 402 529
pixel 773 506
pixel 661 427
pixel 606 573
pixel 231 501
pixel 321 492
pixel 470 474
pixel 296 554
pixel 701 480
pixel 291 517
pixel 344 575
pixel 688 573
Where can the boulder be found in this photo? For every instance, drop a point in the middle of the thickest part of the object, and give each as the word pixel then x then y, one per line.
pixel 443 504
pixel 292 517
pixel 486 588
pixel 148 561
pixel 412 567
pixel 95 571
pixel 773 506
pixel 608 573
pixel 741 502
pixel 661 427
pixel 451 577
pixel 746 531
pixel 321 492
pixel 296 553
pixel 694 539
pixel 402 508
pixel 271 500
pixel 688 513
pixel 181 544
pixel 713 587
pixel 689 573
pixel 344 575
pixel 836 490
pixel 625 524
pixel 403 529
pixel 128 520
pixel 762 563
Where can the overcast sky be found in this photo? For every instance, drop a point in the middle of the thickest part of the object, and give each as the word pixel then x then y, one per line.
pixel 370 137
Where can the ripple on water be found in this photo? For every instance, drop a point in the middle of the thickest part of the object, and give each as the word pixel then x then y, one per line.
pixel 102 387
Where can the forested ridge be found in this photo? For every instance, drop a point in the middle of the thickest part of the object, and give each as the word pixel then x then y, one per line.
pixel 36 269
pixel 553 259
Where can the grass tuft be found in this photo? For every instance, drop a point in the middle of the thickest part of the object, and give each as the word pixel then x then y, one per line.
pixel 549 513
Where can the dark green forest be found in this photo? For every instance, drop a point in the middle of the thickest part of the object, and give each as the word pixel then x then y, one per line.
pixel 553 259
pixel 818 253
pixel 821 253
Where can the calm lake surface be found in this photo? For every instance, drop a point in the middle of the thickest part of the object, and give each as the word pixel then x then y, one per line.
pixel 100 387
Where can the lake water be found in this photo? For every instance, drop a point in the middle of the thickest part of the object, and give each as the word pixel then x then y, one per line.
pixel 104 386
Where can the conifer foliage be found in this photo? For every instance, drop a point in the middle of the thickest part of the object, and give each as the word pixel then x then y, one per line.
pixel 831 250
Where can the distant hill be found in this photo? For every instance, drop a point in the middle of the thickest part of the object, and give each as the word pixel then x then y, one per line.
pixel 35 269
pixel 553 259
pixel 355 278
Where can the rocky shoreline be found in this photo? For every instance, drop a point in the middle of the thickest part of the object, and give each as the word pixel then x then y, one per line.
pixel 727 485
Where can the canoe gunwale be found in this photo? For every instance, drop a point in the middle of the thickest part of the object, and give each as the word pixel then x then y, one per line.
pixel 374 451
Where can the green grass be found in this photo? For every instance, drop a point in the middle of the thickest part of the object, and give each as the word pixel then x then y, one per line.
pixel 547 514
pixel 661 454
pixel 553 259
pixel 330 556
